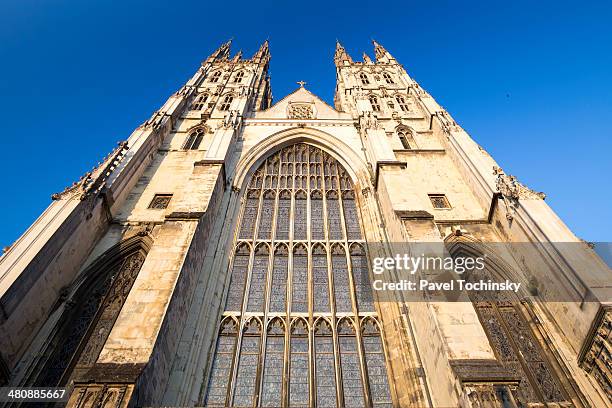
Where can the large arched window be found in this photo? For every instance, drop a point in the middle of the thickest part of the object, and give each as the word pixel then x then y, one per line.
pixel 301 294
pixel 89 314
pixel 515 345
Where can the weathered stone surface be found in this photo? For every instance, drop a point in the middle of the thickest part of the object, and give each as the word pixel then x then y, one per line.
pixel 397 147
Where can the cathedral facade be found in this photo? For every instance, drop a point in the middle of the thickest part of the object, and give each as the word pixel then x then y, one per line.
pixel 221 256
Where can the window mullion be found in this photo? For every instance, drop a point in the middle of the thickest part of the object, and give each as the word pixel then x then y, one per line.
pixel 362 362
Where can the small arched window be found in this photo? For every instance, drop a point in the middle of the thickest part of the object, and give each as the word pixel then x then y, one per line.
pixel 402 103
pixel 227 102
pixel 364 79
pixel 375 104
pixel 199 102
pixel 388 78
pixel 215 77
pixel 238 77
pixel 406 139
pixel 194 139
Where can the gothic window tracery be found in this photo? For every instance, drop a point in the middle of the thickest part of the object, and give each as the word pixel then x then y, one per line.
pixel 215 76
pixel 300 289
pixel 401 101
pixel 388 78
pixel 227 102
pixel 516 346
pixel 364 78
pixel 199 102
pixel 88 319
pixel 239 76
pixel 374 103
pixel 194 139
pixel 406 139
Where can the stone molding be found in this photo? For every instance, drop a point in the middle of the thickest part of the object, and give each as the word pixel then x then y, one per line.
pixel 512 191
pixel 94 180
pixel 596 354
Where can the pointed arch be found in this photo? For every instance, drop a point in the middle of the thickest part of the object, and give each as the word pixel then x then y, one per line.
pixel 351 161
pixel 505 320
pixel 92 305
pixel 406 136
pixel 301 219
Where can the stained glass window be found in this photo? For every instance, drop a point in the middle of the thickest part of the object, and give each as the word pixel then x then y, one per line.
pixel 272 391
pixel 316 215
pixel 299 301
pixel 194 139
pixel 300 219
pixel 363 290
pixel 199 102
pixel 334 225
pixel 516 347
pixel 298 369
pixel 249 214
pixel 320 279
pixel 278 291
pixel 375 362
pixel 325 366
pixel 258 279
pixel 299 242
pixel 283 217
pixel 350 365
pixel 248 361
pixel 222 365
pixel 265 218
pixel 342 293
pixel 238 278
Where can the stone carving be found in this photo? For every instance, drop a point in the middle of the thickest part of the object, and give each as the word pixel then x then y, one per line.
pixel 301 111
pixel 100 396
pixel 186 90
pixel 160 201
pixel 110 308
pixel 93 181
pixel 156 122
pixel 368 121
pixel 232 120
pixel 513 191
pixel 243 90
pixel 597 359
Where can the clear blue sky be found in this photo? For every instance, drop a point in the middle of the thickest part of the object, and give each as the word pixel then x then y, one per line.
pixel 531 82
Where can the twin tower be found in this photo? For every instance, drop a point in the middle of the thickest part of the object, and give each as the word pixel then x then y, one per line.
pixel 220 256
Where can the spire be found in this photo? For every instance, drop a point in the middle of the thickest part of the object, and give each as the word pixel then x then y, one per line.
pixel 237 57
pixel 263 52
pixel 222 52
pixel 382 55
pixel 341 56
pixel 366 58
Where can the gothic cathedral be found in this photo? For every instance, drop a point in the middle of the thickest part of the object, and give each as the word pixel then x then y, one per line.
pixel 221 256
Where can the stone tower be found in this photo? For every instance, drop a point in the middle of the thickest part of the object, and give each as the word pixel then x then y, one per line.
pixel 220 256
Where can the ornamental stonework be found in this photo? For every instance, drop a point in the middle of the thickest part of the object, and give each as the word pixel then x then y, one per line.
pixel 301 111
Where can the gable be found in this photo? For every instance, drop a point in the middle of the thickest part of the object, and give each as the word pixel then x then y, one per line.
pixel 300 104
